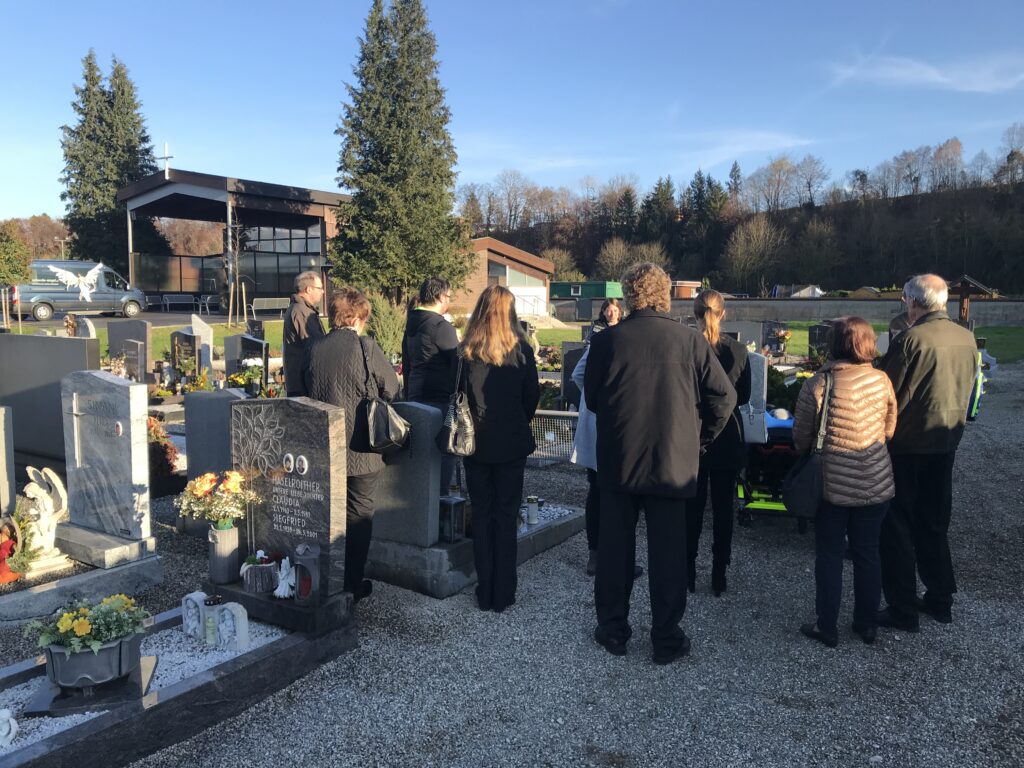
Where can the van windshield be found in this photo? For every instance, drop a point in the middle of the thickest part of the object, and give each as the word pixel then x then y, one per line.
pixel 115 281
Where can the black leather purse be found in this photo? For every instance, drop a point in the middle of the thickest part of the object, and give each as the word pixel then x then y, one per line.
pixel 458 435
pixel 803 484
pixel 388 432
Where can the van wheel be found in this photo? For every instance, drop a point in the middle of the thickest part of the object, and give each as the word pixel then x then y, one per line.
pixel 42 312
pixel 131 309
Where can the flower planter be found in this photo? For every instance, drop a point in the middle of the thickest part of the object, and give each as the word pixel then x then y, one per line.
pixel 85 669
pixel 223 555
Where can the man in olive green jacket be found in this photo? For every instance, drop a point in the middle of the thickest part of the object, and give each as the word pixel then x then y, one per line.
pixel 932 366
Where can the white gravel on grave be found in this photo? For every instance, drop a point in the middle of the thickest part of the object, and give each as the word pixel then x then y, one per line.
pixel 179 656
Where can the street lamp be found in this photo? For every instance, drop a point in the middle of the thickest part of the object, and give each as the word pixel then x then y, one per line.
pixel 61 241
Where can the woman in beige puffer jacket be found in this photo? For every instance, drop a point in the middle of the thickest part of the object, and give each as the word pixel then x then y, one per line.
pixel 856 473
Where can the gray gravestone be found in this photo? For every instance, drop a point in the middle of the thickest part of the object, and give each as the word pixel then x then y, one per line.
pixel 33 367
pixel 817 337
pixel 84 328
pixel 748 330
pixel 755 429
pixel 184 347
pixel 293 452
pixel 208 430
pixel 409 489
pixel 246 347
pixel 6 462
pixel 107 453
pixel 205 333
pixel 134 359
pixel 120 331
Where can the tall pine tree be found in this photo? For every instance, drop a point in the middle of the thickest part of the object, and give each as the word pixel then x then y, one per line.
pixel 106 149
pixel 397 160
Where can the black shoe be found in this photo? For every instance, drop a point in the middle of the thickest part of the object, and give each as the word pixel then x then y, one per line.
pixel 667 658
pixel 941 615
pixel 500 607
pixel 812 631
pixel 718 582
pixel 592 562
pixel 613 645
pixel 886 618
pixel 867 634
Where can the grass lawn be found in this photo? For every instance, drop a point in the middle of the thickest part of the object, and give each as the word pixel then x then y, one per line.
pixel 555 336
pixel 1006 345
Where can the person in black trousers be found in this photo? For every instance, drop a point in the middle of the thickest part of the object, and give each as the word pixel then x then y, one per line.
pixel 659 394
pixel 724 457
pixel 343 368
pixel 499 374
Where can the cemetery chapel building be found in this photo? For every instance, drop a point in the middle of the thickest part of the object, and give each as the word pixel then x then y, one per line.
pixel 282 231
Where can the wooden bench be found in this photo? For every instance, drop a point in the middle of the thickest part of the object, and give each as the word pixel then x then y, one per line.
pixel 170 299
pixel 269 304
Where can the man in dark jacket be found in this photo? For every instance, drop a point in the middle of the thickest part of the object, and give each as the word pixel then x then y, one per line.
pixel 932 366
pixel 660 396
pixel 301 328
pixel 428 351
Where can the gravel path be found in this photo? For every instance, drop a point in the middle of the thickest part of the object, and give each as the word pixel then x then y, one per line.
pixel 440 683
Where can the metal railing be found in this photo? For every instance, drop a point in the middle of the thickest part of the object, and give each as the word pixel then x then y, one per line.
pixel 554 432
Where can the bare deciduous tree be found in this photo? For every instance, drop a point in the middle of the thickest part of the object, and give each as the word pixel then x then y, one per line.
pixel 813 175
pixel 752 250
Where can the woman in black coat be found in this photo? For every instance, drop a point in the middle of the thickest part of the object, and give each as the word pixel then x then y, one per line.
pixel 499 375
pixel 343 368
pixel 725 456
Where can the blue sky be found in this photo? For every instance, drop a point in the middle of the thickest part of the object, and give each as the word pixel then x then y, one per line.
pixel 559 90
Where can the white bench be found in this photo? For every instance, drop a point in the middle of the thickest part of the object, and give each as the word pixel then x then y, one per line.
pixel 171 299
pixel 268 304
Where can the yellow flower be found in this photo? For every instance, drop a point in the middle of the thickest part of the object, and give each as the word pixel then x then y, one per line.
pixel 204 484
pixel 82 627
pixel 232 482
pixel 83 611
pixel 65 622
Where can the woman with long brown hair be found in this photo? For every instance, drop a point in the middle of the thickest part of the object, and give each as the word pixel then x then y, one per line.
pixel 724 457
pixel 499 375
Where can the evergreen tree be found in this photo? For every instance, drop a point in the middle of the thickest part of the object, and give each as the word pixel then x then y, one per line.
pixel 106 149
pixel 15 258
pixel 472 213
pixel 397 160
pixel 658 217
pixel 625 217
pixel 735 185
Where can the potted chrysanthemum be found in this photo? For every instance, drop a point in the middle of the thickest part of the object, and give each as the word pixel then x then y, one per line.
pixel 90 644
pixel 221 500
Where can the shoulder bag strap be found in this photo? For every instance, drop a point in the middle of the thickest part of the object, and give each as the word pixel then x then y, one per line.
pixel 366 367
pixel 823 419
pixel 458 372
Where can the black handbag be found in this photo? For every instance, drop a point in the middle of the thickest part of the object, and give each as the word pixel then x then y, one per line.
pixel 802 486
pixel 388 432
pixel 458 435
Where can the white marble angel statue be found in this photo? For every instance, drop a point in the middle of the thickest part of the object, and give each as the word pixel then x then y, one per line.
pixel 8 727
pixel 286 582
pixel 85 283
pixel 50 506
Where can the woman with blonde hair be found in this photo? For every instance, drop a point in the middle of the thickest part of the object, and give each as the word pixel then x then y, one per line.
pixel 499 376
pixel 724 457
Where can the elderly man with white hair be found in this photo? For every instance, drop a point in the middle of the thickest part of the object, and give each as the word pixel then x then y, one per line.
pixel 932 366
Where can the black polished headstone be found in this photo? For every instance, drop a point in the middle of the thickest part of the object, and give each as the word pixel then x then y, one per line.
pixel 134 359
pixel 255 328
pixel 817 337
pixel 293 452
pixel 120 331
pixel 184 346
pixel 246 347
pixel 572 351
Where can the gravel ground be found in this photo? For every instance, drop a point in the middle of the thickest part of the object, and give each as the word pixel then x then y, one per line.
pixel 440 683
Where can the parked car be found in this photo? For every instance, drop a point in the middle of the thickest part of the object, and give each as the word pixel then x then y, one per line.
pixel 75 286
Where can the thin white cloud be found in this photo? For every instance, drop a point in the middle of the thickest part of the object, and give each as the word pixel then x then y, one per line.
pixel 708 150
pixel 988 74
pixel 481 157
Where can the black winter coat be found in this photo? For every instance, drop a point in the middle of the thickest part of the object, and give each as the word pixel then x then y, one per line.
pixel 428 348
pixel 335 373
pixel 301 328
pixel 728 451
pixel 503 399
pixel 659 394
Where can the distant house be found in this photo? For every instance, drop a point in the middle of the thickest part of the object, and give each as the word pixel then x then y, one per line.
pixel 497 263
pixel 866 292
pixel 685 289
pixel 797 292
pixel 586 289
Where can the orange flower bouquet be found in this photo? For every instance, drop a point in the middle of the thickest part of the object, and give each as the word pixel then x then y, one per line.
pixel 219 499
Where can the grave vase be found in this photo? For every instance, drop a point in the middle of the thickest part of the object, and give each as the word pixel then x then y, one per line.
pixel 85 669
pixel 223 555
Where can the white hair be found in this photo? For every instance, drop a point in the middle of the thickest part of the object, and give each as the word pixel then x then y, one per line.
pixel 928 291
